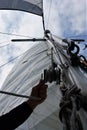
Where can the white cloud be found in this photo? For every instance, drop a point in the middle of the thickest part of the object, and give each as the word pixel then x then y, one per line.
pixel 31 25
pixel 75 13
pixel 78 25
pixel 58 12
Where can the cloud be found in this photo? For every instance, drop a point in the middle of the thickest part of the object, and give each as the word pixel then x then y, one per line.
pixel 16 22
pixel 74 13
pixel 31 25
pixel 66 16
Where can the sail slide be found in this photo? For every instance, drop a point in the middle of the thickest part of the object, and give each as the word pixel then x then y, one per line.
pixel 31 6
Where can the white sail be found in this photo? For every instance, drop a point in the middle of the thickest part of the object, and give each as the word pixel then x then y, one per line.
pixel 32 6
pixel 23 77
pixel 27 73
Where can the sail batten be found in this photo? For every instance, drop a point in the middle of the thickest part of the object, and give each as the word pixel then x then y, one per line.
pixel 31 6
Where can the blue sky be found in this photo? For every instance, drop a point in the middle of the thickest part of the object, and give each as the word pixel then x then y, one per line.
pixel 66 18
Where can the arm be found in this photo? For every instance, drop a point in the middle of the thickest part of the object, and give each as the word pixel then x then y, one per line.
pixel 15 117
pixel 19 114
pixel 83 100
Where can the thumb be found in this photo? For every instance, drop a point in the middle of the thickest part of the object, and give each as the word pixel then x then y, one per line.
pixel 41 83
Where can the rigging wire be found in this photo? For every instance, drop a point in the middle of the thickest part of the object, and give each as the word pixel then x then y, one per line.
pixel 58 49
pixel 68 61
pixel 10 60
pixel 21 55
pixel 69 36
pixel 4 42
pixel 49 13
pixel 4 45
pixel 76 35
pixel 5 33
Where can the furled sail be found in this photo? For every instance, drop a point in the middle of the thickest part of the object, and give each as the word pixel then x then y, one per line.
pixel 32 6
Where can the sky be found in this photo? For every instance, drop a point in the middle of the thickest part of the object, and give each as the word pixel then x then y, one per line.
pixel 66 18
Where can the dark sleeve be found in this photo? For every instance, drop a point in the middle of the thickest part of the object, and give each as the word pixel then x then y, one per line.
pixel 15 117
pixel 83 99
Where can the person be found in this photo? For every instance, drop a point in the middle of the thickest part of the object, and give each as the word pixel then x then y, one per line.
pixel 19 114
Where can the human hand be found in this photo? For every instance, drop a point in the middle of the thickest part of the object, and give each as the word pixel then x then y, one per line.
pixel 40 92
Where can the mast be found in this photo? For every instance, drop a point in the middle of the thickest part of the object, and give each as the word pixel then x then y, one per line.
pixel 43 16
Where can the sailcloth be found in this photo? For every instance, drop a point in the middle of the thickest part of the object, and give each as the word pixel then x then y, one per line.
pixel 27 73
pixel 32 6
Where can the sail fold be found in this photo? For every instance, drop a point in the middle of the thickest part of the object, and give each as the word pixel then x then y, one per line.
pixel 32 6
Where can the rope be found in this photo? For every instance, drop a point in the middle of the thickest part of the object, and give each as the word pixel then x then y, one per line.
pixel 69 106
pixel 59 49
pixel 18 95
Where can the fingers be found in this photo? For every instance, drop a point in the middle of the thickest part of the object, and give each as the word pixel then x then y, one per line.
pixel 41 84
pixel 43 92
pixel 40 90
